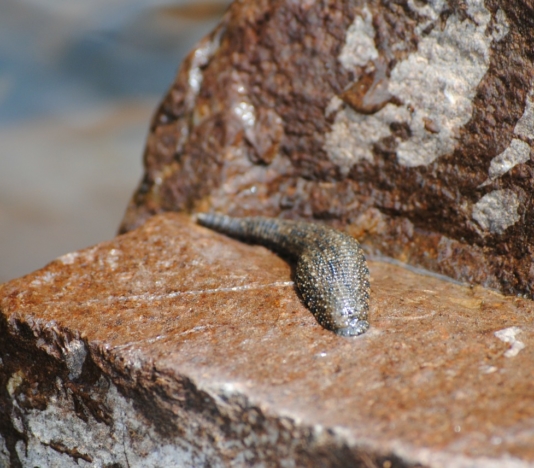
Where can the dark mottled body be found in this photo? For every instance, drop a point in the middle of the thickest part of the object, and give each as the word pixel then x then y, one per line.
pixel 331 271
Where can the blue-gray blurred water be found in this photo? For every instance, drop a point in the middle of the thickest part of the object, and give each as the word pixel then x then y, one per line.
pixel 78 84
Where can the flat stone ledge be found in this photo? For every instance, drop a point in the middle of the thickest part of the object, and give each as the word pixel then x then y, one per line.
pixel 175 346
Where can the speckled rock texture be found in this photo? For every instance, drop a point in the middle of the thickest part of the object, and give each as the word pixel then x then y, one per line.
pixel 411 123
pixel 173 345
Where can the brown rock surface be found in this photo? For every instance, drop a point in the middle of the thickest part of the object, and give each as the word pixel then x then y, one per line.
pixel 175 346
pixel 411 122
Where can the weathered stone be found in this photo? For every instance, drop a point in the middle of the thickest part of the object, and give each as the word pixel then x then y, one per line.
pixel 410 122
pixel 175 346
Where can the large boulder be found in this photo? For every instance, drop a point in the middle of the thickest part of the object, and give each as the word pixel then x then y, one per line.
pixel 408 123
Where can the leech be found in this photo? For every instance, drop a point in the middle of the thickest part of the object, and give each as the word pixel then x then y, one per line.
pixel 331 272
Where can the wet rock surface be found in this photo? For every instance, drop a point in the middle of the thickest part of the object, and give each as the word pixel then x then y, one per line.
pixel 173 345
pixel 411 123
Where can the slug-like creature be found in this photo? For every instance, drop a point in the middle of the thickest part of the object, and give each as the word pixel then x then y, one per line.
pixel 331 272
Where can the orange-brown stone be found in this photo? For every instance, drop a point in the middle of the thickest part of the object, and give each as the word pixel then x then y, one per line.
pixel 207 345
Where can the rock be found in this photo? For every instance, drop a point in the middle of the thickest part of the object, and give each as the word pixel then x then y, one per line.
pixel 410 123
pixel 176 346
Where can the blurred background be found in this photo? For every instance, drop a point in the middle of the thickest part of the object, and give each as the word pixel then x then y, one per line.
pixel 79 82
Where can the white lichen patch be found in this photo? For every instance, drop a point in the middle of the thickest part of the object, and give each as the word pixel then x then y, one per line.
pixel 439 82
pixel 525 125
pixel 359 47
pixel 14 382
pixel 84 256
pixel 353 134
pixel 436 84
pixel 244 110
pixel 45 278
pixel 485 369
pixel 500 26
pixel 429 10
pixel 69 258
pixel 201 57
pixel 496 211
pixel 4 454
pixel 517 153
pixel 112 259
pixel 333 106
pixel 508 335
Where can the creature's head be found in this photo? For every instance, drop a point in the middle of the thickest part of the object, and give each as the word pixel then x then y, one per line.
pixel 350 317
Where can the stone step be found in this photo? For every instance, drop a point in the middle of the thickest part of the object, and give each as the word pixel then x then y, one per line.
pixel 173 345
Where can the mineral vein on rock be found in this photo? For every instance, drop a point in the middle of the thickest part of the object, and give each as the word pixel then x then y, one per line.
pixel 331 271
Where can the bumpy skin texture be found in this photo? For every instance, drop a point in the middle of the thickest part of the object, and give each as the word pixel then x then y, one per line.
pixel 331 271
